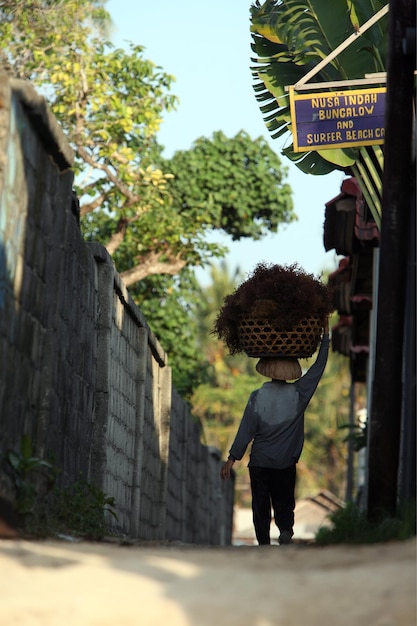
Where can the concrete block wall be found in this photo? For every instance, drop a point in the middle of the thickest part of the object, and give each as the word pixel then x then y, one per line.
pixel 47 287
pixel 80 369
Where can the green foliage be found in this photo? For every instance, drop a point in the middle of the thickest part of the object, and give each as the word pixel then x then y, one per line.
pixel 110 103
pixel 152 214
pixel 220 408
pixel 26 472
pixel 323 461
pixel 211 299
pixel 357 435
pixel 351 525
pixel 236 185
pixel 36 35
pixel 220 183
pixel 230 184
pixel 46 510
pixel 169 305
pixel 80 510
pixel 290 37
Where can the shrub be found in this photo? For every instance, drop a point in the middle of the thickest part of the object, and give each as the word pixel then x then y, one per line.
pixel 351 525
pixel 81 509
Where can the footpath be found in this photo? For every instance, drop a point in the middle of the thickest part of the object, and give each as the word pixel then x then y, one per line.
pixel 60 583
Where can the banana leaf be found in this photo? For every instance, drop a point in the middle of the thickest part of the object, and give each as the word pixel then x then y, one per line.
pixel 289 37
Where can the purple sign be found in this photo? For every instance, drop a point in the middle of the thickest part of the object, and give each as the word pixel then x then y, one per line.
pixel 337 120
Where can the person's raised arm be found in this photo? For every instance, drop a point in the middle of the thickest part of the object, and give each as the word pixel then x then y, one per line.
pixel 307 384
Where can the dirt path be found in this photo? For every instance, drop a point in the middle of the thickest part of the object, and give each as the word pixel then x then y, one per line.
pixel 87 584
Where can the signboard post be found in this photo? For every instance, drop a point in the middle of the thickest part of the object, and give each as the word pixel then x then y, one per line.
pixel 340 119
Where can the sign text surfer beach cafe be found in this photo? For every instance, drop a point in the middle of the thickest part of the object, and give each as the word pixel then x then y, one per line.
pixel 339 119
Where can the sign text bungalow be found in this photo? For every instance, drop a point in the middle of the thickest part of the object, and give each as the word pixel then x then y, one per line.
pixel 338 119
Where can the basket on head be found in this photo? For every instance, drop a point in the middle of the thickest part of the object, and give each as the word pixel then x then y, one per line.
pixel 279 368
pixel 259 338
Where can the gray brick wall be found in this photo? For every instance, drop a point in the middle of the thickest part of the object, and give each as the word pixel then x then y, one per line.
pixel 80 370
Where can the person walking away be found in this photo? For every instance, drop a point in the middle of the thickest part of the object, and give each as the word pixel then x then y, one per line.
pixel 273 421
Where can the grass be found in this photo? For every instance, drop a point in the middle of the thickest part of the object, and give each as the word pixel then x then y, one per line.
pixel 351 525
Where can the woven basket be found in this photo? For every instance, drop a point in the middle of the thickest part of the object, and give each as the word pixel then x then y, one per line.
pixel 258 338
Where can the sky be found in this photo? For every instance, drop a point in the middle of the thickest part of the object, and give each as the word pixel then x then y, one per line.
pixel 206 46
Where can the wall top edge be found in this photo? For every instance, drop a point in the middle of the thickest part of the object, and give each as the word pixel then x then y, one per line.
pixel 45 124
pixel 101 255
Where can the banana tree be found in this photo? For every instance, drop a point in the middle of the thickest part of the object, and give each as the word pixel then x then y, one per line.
pixel 290 37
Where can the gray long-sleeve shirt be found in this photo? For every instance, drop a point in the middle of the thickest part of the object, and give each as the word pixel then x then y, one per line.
pixel 274 418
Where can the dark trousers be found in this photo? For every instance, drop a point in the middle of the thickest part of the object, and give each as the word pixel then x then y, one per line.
pixel 274 487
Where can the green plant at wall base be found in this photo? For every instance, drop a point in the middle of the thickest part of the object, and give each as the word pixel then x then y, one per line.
pixel 350 525
pixel 80 510
pixel 25 471
pixel 46 510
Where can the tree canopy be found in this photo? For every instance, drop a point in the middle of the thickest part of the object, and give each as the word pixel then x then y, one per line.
pixel 238 181
pixel 152 214
pixel 235 185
